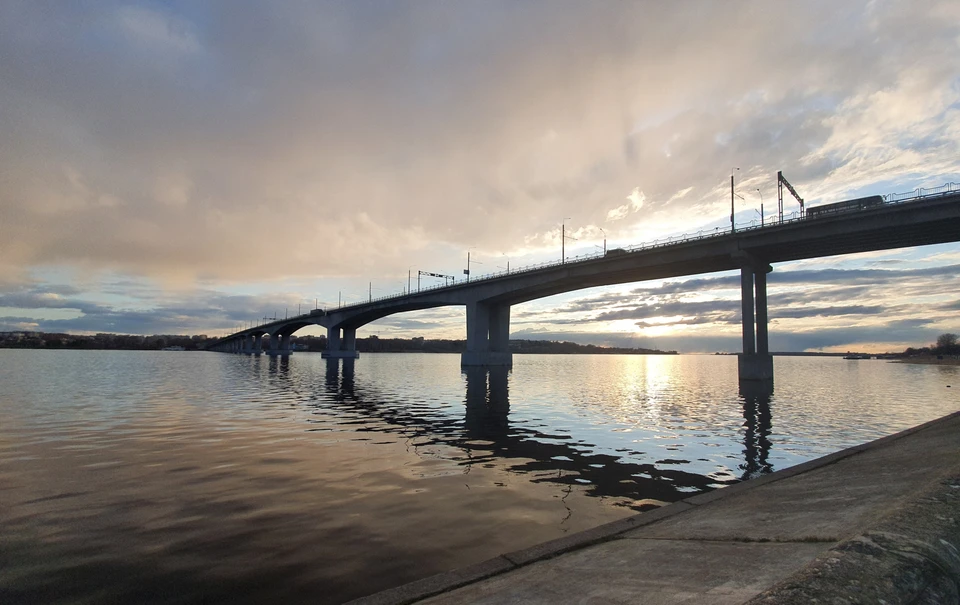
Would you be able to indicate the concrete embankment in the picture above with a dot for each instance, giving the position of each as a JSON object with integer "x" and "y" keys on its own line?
{"x": 876, "y": 523}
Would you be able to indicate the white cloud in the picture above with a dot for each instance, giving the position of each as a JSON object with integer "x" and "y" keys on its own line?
{"x": 635, "y": 203}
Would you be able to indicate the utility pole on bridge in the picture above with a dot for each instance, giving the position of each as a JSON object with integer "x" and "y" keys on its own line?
{"x": 733, "y": 225}
{"x": 563, "y": 240}
{"x": 448, "y": 279}
{"x": 781, "y": 183}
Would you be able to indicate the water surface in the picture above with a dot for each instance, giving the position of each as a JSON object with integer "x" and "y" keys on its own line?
{"x": 183, "y": 476}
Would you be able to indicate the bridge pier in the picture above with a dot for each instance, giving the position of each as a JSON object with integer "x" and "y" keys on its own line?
{"x": 488, "y": 335}
{"x": 341, "y": 348}
{"x": 755, "y": 364}
{"x": 279, "y": 345}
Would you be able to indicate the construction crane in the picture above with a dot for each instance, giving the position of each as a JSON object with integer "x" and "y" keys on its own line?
{"x": 781, "y": 183}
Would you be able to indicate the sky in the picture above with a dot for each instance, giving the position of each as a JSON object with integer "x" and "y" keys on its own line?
{"x": 191, "y": 167}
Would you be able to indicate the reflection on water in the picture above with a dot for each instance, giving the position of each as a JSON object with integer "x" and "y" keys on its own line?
{"x": 756, "y": 435}
{"x": 176, "y": 477}
{"x": 485, "y": 437}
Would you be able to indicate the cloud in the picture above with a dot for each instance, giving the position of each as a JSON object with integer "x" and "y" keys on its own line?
{"x": 813, "y": 308}
{"x": 161, "y": 141}
{"x": 45, "y": 299}
{"x": 894, "y": 336}
{"x": 218, "y": 164}
{"x": 156, "y": 31}
{"x": 953, "y": 306}
{"x": 635, "y": 203}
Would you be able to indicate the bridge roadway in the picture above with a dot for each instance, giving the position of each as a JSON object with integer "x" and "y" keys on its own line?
{"x": 923, "y": 220}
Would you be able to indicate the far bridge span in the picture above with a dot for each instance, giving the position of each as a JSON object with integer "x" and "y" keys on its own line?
{"x": 929, "y": 216}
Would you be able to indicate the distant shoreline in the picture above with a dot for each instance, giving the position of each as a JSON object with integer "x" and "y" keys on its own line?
{"x": 931, "y": 361}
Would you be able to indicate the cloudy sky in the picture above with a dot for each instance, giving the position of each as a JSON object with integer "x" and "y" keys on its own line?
{"x": 186, "y": 167}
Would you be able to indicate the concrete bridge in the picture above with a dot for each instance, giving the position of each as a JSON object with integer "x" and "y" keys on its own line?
{"x": 929, "y": 216}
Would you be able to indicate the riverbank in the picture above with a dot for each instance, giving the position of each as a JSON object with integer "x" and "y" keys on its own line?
{"x": 946, "y": 361}
{"x": 873, "y": 523}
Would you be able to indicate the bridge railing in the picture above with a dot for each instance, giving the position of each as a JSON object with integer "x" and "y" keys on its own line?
{"x": 921, "y": 192}
{"x": 889, "y": 199}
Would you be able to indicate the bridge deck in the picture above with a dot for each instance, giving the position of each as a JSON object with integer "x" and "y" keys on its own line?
{"x": 930, "y": 220}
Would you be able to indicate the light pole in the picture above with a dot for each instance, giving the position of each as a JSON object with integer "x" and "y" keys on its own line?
{"x": 508, "y": 262}
{"x": 563, "y": 239}
{"x": 761, "y": 206}
{"x": 604, "y": 240}
{"x": 733, "y": 225}
{"x": 467, "y": 270}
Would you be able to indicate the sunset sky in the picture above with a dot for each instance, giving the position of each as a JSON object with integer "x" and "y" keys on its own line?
{"x": 188, "y": 167}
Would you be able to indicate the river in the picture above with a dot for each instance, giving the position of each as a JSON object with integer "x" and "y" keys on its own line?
{"x": 176, "y": 477}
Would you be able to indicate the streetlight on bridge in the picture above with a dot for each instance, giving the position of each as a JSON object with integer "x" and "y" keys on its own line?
{"x": 761, "y": 206}
{"x": 563, "y": 239}
{"x": 733, "y": 225}
{"x": 476, "y": 262}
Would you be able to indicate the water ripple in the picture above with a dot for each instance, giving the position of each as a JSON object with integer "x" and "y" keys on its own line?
{"x": 179, "y": 477}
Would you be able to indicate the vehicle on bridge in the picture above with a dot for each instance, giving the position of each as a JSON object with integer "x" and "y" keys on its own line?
{"x": 860, "y": 203}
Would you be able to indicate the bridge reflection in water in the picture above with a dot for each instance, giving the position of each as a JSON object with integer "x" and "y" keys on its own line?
{"x": 486, "y": 437}
{"x": 758, "y": 422}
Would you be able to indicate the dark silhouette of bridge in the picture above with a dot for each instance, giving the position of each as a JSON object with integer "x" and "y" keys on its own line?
{"x": 924, "y": 217}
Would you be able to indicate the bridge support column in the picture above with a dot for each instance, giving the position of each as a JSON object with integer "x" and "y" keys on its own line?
{"x": 258, "y": 344}
{"x": 746, "y": 306}
{"x": 349, "y": 341}
{"x": 341, "y": 348}
{"x": 285, "y": 345}
{"x": 333, "y": 339}
{"x": 488, "y": 335}
{"x": 755, "y": 364}
{"x": 273, "y": 348}
{"x": 760, "y": 280}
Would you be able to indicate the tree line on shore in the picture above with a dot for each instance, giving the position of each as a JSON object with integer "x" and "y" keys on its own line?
{"x": 946, "y": 344}
{"x": 370, "y": 344}
{"x": 375, "y": 344}
{"x": 129, "y": 342}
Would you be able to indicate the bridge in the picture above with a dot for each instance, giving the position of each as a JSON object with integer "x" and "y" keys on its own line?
{"x": 922, "y": 217}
